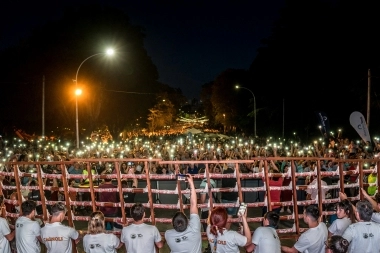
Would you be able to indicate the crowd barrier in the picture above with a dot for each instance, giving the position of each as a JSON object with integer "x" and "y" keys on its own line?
{"x": 157, "y": 191}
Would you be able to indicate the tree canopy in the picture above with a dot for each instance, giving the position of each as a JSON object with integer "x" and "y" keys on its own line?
{"x": 116, "y": 90}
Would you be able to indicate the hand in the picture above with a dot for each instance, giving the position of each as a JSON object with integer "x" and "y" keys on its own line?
{"x": 342, "y": 195}
{"x": 189, "y": 179}
{"x": 364, "y": 192}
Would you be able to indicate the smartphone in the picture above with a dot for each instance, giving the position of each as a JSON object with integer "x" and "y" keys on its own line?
{"x": 242, "y": 209}
{"x": 181, "y": 177}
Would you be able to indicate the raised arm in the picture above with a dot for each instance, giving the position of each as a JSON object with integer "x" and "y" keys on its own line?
{"x": 247, "y": 231}
{"x": 371, "y": 200}
{"x": 193, "y": 195}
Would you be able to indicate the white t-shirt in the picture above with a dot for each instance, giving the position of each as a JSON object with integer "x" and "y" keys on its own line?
{"x": 364, "y": 237}
{"x": 100, "y": 243}
{"x": 27, "y": 232}
{"x": 375, "y": 217}
{"x": 314, "y": 191}
{"x": 313, "y": 240}
{"x": 57, "y": 237}
{"x": 189, "y": 240}
{"x": 4, "y": 230}
{"x": 140, "y": 238}
{"x": 266, "y": 240}
{"x": 339, "y": 226}
{"x": 228, "y": 242}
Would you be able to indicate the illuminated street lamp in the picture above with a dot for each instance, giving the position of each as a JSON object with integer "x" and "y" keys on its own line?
{"x": 224, "y": 117}
{"x": 79, "y": 91}
{"x": 254, "y": 104}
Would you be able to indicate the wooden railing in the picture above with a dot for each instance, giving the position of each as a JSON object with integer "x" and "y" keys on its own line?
{"x": 14, "y": 174}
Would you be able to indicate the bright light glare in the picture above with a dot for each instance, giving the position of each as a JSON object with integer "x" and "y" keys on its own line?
{"x": 110, "y": 51}
{"x": 78, "y": 92}
{"x": 237, "y": 86}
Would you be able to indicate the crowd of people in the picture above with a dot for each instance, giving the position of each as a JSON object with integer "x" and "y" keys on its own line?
{"x": 355, "y": 226}
{"x": 355, "y": 230}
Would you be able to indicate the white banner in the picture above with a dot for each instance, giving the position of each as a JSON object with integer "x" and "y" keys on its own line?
{"x": 357, "y": 121}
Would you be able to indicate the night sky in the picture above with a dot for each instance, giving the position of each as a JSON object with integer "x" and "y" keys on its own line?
{"x": 315, "y": 58}
{"x": 190, "y": 42}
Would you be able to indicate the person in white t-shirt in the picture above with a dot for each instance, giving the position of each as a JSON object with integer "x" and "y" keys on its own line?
{"x": 220, "y": 238}
{"x": 186, "y": 235}
{"x": 313, "y": 240}
{"x": 28, "y": 230}
{"x": 374, "y": 202}
{"x": 5, "y": 236}
{"x": 313, "y": 192}
{"x": 97, "y": 241}
{"x": 140, "y": 237}
{"x": 364, "y": 235}
{"x": 346, "y": 216}
{"x": 58, "y": 237}
{"x": 5, "y": 233}
{"x": 265, "y": 239}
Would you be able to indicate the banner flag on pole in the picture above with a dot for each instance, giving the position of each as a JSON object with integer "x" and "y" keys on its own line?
{"x": 357, "y": 121}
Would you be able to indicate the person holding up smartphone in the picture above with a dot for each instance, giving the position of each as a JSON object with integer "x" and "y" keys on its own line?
{"x": 186, "y": 233}
{"x": 220, "y": 238}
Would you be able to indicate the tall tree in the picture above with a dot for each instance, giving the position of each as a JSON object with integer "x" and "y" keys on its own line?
{"x": 318, "y": 56}
{"x": 57, "y": 49}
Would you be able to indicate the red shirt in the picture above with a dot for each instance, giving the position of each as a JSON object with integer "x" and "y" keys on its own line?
{"x": 108, "y": 197}
{"x": 275, "y": 195}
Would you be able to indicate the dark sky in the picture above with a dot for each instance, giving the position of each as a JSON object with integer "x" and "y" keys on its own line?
{"x": 190, "y": 42}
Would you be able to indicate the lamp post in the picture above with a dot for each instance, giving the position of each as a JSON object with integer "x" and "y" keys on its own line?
{"x": 79, "y": 91}
{"x": 224, "y": 123}
{"x": 254, "y": 105}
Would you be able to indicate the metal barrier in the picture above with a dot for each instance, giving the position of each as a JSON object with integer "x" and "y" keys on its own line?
{"x": 146, "y": 180}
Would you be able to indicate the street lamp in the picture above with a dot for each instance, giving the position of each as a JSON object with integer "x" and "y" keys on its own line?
{"x": 254, "y": 104}
{"x": 224, "y": 123}
{"x": 79, "y": 91}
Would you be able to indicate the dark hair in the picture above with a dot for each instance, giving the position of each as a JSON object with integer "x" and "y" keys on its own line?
{"x": 27, "y": 207}
{"x": 218, "y": 220}
{"x": 96, "y": 222}
{"x": 365, "y": 210}
{"x": 377, "y": 197}
{"x": 348, "y": 210}
{"x": 337, "y": 244}
{"x": 137, "y": 211}
{"x": 273, "y": 218}
{"x": 312, "y": 211}
{"x": 58, "y": 208}
{"x": 180, "y": 222}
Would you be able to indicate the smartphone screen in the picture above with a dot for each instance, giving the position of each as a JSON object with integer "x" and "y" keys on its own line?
{"x": 181, "y": 177}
